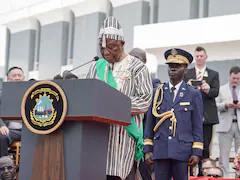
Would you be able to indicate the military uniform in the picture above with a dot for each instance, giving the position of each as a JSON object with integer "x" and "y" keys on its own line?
{"x": 173, "y": 130}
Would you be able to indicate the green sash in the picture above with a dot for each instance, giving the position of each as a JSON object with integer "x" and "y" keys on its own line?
{"x": 132, "y": 130}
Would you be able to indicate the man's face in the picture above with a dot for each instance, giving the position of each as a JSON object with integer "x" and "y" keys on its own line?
{"x": 234, "y": 79}
{"x": 113, "y": 50}
{"x": 214, "y": 172}
{"x": 176, "y": 71}
{"x": 206, "y": 166}
{"x": 200, "y": 57}
{"x": 15, "y": 75}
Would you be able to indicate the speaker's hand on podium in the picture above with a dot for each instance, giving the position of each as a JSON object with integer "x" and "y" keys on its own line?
{"x": 4, "y": 130}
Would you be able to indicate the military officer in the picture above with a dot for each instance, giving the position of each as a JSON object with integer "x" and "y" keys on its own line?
{"x": 173, "y": 138}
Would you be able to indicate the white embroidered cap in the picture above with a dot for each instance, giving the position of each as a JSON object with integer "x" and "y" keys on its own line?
{"x": 111, "y": 29}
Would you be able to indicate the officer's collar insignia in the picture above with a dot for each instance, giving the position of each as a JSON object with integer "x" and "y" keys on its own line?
{"x": 44, "y": 107}
{"x": 174, "y": 52}
{"x": 166, "y": 88}
{"x": 183, "y": 89}
{"x": 181, "y": 94}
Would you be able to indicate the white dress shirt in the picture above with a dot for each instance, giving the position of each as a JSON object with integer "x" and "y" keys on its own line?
{"x": 176, "y": 89}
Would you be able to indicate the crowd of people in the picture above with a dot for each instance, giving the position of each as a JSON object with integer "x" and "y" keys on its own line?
{"x": 171, "y": 122}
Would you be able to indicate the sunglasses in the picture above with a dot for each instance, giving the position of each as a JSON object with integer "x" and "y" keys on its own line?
{"x": 214, "y": 175}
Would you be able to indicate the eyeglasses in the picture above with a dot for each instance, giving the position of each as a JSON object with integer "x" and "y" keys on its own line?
{"x": 214, "y": 175}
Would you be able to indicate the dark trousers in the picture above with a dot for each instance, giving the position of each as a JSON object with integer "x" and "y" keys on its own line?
{"x": 6, "y": 140}
{"x": 131, "y": 176}
{"x": 207, "y": 137}
{"x": 146, "y": 171}
{"x": 165, "y": 169}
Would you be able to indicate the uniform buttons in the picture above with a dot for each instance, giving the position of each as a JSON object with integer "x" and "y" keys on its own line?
{"x": 154, "y": 138}
{"x": 158, "y": 108}
{"x": 169, "y": 137}
{"x": 172, "y": 109}
{"x": 170, "y": 127}
{"x": 185, "y": 109}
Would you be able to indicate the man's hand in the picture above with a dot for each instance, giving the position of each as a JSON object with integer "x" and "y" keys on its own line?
{"x": 193, "y": 161}
{"x": 231, "y": 105}
{"x": 149, "y": 158}
{"x": 190, "y": 82}
{"x": 205, "y": 87}
{"x": 4, "y": 130}
{"x": 237, "y": 105}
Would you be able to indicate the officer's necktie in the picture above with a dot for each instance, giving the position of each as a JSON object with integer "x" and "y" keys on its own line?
{"x": 172, "y": 93}
{"x": 235, "y": 98}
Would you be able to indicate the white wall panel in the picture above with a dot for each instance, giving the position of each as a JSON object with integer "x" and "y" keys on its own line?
{"x": 117, "y": 3}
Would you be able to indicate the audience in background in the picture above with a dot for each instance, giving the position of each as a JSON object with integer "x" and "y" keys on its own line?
{"x": 229, "y": 118}
{"x": 207, "y": 164}
{"x": 236, "y": 165}
{"x": 71, "y": 76}
{"x": 207, "y": 81}
{"x": 10, "y": 131}
{"x": 141, "y": 55}
{"x": 58, "y": 77}
{"x": 66, "y": 75}
{"x": 214, "y": 172}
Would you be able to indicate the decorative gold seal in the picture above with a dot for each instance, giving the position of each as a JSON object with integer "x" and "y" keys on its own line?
{"x": 44, "y": 107}
{"x": 174, "y": 52}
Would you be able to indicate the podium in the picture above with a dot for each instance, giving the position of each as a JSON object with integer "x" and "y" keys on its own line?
{"x": 78, "y": 149}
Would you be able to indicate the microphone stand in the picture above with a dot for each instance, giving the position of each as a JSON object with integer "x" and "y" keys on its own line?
{"x": 82, "y": 65}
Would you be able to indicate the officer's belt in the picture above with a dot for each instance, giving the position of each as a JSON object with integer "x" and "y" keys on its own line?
{"x": 164, "y": 116}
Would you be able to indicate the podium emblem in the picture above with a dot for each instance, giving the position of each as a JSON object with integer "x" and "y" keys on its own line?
{"x": 44, "y": 107}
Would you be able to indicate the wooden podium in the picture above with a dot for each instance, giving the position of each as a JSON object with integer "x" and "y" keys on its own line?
{"x": 77, "y": 150}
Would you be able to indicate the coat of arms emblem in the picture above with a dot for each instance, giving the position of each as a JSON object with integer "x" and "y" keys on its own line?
{"x": 44, "y": 107}
{"x": 43, "y": 113}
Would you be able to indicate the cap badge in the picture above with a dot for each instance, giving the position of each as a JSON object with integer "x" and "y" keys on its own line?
{"x": 174, "y": 52}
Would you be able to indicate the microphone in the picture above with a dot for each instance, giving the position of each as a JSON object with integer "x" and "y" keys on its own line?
{"x": 94, "y": 59}
{"x": 65, "y": 73}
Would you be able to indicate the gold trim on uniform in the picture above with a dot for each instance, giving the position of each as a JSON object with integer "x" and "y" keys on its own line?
{"x": 177, "y": 59}
{"x": 164, "y": 116}
{"x": 198, "y": 145}
{"x": 148, "y": 142}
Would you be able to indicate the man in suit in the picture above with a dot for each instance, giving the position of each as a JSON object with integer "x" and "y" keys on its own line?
{"x": 208, "y": 83}
{"x": 173, "y": 132}
{"x": 10, "y": 131}
{"x": 141, "y": 55}
{"x": 229, "y": 118}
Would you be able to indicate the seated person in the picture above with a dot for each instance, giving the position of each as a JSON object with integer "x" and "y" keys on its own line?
{"x": 214, "y": 172}
{"x": 207, "y": 164}
{"x": 71, "y": 76}
{"x": 10, "y": 131}
{"x": 7, "y": 168}
{"x": 58, "y": 77}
